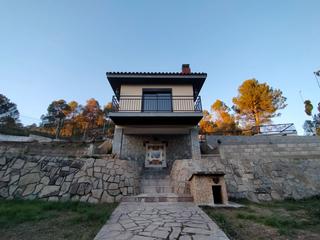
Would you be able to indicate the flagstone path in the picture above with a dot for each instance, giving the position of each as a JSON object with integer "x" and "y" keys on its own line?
{"x": 160, "y": 220}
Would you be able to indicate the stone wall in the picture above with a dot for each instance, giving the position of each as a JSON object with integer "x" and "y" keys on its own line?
{"x": 100, "y": 179}
{"x": 260, "y": 168}
{"x": 268, "y": 167}
{"x": 181, "y": 171}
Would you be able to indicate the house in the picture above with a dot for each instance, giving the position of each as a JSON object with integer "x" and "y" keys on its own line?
{"x": 156, "y": 115}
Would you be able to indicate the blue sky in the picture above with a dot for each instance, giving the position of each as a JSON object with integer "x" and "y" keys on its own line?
{"x": 61, "y": 49}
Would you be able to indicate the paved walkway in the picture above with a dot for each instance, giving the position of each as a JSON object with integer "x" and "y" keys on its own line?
{"x": 150, "y": 221}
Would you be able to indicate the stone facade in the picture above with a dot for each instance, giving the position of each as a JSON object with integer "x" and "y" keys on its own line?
{"x": 133, "y": 147}
{"x": 58, "y": 178}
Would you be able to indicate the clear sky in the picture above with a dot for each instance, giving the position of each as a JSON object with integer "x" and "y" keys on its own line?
{"x": 53, "y": 49}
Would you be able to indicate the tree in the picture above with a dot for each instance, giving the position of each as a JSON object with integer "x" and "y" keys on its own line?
{"x": 56, "y": 113}
{"x": 222, "y": 118}
{"x": 311, "y": 127}
{"x": 257, "y": 103}
{"x": 206, "y": 125}
{"x": 93, "y": 114}
{"x": 9, "y": 114}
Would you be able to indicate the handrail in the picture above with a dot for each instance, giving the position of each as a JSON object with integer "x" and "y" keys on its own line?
{"x": 135, "y": 103}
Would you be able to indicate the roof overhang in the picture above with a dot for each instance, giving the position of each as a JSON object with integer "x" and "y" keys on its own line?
{"x": 116, "y": 79}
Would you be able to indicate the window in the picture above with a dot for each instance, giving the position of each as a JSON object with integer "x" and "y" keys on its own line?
{"x": 157, "y": 100}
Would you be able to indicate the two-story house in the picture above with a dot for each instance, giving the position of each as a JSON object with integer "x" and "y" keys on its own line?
{"x": 156, "y": 114}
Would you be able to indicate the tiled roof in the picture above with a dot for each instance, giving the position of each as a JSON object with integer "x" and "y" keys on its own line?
{"x": 155, "y": 73}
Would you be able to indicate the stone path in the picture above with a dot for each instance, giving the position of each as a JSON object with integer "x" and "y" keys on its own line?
{"x": 150, "y": 221}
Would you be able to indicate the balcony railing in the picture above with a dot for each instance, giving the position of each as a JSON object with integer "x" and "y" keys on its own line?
{"x": 156, "y": 104}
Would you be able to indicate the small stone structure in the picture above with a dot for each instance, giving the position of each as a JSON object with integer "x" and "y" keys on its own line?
{"x": 208, "y": 188}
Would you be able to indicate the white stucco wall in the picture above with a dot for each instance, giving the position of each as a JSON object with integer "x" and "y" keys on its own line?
{"x": 132, "y": 96}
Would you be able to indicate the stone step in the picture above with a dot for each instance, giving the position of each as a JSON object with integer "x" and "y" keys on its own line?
{"x": 165, "y": 197}
{"x": 156, "y": 189}
{"x": 157, "y": 176}
{"x": 155, "y": 182}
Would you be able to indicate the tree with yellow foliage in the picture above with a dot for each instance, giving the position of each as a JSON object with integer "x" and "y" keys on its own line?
{"x": 219, "y": 121}
{"x": 257, "y": 103}
{"x": 223, "y": 119}
{"x": 206, "y": 126}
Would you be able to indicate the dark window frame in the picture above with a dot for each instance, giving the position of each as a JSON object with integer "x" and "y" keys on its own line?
{"x": 156, "y": 91}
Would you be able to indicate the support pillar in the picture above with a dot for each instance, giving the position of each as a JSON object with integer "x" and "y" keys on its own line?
{"x": 195, "y": 145}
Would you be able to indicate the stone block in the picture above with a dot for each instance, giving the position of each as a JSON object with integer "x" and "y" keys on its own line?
{"x": 100, "y": 163}
{"x": 3, "y": 161}
{"x": 107, "y": 198}
{"x": 96, "y": 193}
{"x": 18, "y": 164}
{"x": 29, "y": 189}
{"x": 49, "y": 191}
{"x": 29, "y": 178}
{"x": 113, "y": 186}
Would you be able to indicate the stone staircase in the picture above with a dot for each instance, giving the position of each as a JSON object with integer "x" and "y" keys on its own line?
{"x": 155, "y": 186}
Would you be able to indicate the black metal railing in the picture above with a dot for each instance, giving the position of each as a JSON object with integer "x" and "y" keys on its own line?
{"x": 131, "y": 103}
{"x": 278, "y": 129}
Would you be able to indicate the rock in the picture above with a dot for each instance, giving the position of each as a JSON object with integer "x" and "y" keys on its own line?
{"x": 107, "y": 198}
{"x": 76, "y": 164}
{"x": 74, "y": 188}
{"x": 84, "y": 188}
{"x": 4, "y": 193}
{"x": 38, "y": 188}
{"x": 100, "y": 163}
{"x": 92, "y": 200}
{"x": 96, "y": 193}
{"x": 65, "y": 188}
{"x": 84, "y": 198}
{"x": 30, "y": 165}
{"x": 53, "y": 199}
{"x": 49, "y": 191}
{"x": 90, "y": 172}
{"x": 114, "y": 192}
{"x": 84, "y": 180}
{"x": 118, "y": 198}
{"x": 124, "y": 191}
{"x": 117, "y": 179}
{"x": 29, "y": 178}
{"x": 113, "y": 186}
{"x": 29, "y": 189}
{"x": 45, "y": 180}
{"x": 2, "y": 161}
{"x": 69, "y": 178}
{"x": 18, "y": 164}
{"x": 5, "y": 178}
{"x": 12, "y": 188}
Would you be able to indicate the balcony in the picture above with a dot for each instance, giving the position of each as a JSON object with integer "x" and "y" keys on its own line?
{"x": 160, "y": 109}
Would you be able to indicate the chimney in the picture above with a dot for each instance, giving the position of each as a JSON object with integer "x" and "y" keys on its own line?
{"x": 186, "y": 69}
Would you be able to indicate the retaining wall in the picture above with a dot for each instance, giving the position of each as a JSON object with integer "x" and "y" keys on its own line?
{"x": 32, "y": 176}
{"x": 260, "y": 168}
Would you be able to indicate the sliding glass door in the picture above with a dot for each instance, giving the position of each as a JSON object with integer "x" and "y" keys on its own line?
{"x": 156, "y": 101}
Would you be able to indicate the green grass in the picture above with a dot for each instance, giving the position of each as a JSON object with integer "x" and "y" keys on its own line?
{"x": 272, "y": 220}
{"x": 21, "y": 219}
